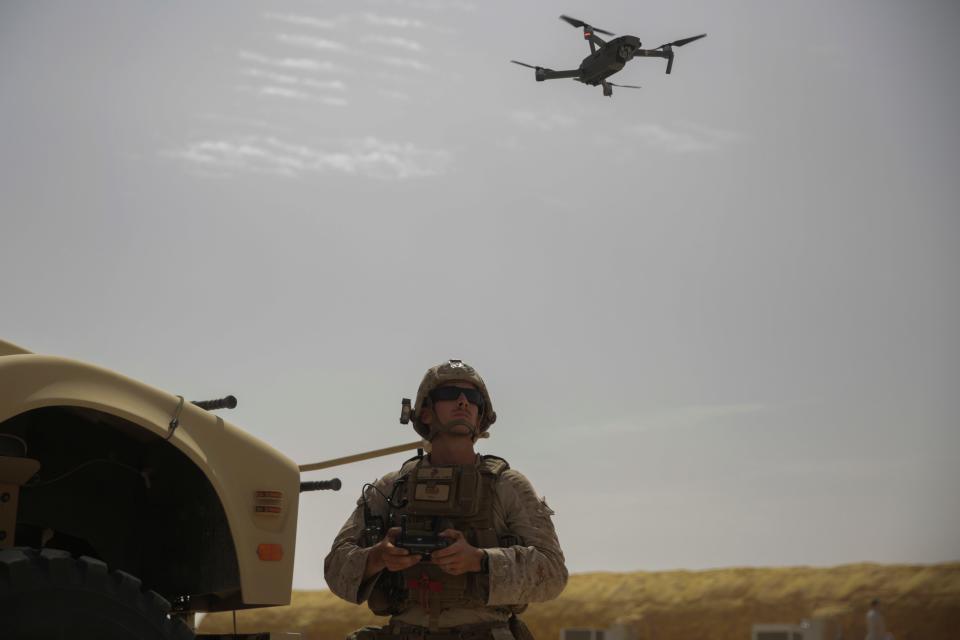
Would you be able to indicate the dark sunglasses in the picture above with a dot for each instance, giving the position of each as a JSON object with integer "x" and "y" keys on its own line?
{"x": 452, "y": 393}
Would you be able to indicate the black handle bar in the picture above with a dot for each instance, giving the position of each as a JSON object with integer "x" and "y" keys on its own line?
{"x": 212, "y": 405}
{"x": 314, "y": 485}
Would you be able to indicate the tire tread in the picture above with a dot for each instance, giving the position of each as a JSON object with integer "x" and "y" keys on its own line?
{"x": 24, "y": 569}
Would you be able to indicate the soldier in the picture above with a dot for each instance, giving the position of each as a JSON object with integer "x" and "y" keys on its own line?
{"x": 454, "y": 544}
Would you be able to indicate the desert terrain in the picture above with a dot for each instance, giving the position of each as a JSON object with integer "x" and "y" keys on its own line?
{"x": 919, "y": 602}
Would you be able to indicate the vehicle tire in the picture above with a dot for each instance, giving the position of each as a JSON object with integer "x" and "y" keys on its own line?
{"x": 50, "y": 595}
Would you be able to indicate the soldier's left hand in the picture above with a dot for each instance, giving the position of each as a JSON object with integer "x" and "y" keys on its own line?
{"x": 459, "y": 557}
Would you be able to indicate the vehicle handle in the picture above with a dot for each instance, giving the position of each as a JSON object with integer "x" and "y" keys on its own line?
{"x": 315, "y": 485}
{"x": 228, "y": 402}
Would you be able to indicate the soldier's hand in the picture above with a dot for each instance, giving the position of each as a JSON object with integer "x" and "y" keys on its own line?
{"x": 459, "y": 557}
{"x": 386, "y": 555}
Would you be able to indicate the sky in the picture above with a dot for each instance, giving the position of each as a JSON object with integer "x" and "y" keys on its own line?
{"x": 717, "y": 315}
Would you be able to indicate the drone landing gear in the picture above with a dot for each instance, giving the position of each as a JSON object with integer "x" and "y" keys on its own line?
{"x": 607, "y": 89}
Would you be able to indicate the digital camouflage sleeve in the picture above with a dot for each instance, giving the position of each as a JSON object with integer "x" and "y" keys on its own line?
{"x": 533, "y": 571}
{"x": 344, "y": 565}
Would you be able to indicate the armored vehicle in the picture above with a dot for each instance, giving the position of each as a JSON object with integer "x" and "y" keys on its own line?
{"x": 125, "y": 509}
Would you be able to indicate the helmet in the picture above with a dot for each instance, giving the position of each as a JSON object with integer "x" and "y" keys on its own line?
{"x": 451, "y": 371}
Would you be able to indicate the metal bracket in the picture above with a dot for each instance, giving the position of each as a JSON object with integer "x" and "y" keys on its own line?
{"x": 175, "y": 420}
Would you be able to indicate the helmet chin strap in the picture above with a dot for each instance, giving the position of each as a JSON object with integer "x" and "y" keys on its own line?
{"x": 437, "y": 427}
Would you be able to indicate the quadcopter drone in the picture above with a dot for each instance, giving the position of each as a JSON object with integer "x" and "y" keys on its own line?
{"x": 607, "y": 58}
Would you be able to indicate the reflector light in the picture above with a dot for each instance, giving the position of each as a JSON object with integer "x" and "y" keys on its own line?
{"x": 266, "y": 509}
{"x": 270, "y": 552}
{"x": 268, "y": 502}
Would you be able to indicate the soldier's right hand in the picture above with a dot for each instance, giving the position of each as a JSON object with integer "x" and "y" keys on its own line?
{"x": 386, "y": 555}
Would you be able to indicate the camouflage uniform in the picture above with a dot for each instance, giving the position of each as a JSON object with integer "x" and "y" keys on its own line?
{"x": 532, "y": 571}
{"x": 502, "y": 514}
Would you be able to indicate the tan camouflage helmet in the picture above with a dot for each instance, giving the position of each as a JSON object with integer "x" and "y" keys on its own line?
{"x": 452, "y": 371}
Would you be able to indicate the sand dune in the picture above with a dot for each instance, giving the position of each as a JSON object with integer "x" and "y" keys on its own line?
{"x": 920, "y": 602}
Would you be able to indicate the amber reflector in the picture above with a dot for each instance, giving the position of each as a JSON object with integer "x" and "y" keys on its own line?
{"x": 272, "y": 552}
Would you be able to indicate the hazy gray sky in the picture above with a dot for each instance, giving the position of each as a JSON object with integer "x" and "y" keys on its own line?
{"x": 718, "y": 315}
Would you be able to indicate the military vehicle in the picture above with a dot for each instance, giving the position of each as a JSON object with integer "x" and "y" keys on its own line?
{"x": 125, "y": 510}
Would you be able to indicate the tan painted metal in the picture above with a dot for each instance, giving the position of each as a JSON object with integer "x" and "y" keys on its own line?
{"x": 357, "y": 457}
{"x": 236, "y": 463}
{"x": 9, "y": 349}
{"x": 13, "y": 473}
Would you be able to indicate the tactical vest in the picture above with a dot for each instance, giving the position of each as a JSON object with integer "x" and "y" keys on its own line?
{"x": 437, "y": 498}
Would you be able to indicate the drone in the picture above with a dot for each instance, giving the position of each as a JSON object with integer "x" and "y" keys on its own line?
{"x": 607, "y": 58}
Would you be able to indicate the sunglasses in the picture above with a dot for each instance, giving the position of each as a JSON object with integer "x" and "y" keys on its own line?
{"x": 452, "y": 393}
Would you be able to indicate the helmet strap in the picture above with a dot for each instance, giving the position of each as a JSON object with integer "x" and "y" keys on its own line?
{"x": 437, "y": 426}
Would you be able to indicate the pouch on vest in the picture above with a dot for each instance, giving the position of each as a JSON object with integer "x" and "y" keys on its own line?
{"x": 443, "y": 490}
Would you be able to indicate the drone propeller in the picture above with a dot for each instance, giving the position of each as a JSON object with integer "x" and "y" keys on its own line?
{"x": 580, "y": 23}
{"x": 524, "y": 64}
{"x": 625, "y": 86}
{"x": 682, "y": 41}
{"x": 668, "y": 48}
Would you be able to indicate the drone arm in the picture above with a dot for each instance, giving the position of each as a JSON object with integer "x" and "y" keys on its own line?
{"x": 594, "y": 40}
{"x": 589, "y": 32}
{"x": 666, "y": 50}
{"x": 550, "y": 74}
{"x": 650, "y": 53}
{"x": 657, "y": 53}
